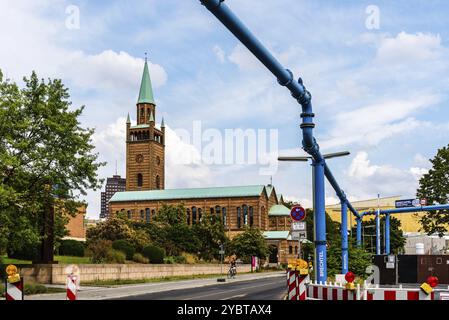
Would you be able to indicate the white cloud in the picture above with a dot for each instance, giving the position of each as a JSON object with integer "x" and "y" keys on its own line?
{"x": 406, "y": 48}
{"x": 244, "y": 59}
{"x": 374, "y": 123}
{"x": 219, "y": 52}
{"x": 366, "y": 179}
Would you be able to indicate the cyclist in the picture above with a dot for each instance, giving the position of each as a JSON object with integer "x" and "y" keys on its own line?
{"x": 232, "y": 268}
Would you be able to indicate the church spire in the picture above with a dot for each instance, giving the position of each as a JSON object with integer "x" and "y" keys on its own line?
{"x": 146, "y": 91}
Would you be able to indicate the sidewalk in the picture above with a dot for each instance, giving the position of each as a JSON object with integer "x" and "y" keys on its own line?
{"x": 96, "y": 293}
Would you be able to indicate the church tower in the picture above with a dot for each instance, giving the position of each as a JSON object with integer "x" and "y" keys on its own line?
{"x": 145, "y": 144}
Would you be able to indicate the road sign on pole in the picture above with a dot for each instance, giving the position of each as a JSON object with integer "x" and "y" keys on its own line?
{"x": 299, "y": 235}
{"x": 299, "y": 226}
{"x": 298, "y": 213}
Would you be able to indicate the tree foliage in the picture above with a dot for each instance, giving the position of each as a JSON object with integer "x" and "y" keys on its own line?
{"x": 249, "y": 243}
{"x": 44, "y": 153}
{"x": 211, "y": 234}
{"x": 434, "y": 186}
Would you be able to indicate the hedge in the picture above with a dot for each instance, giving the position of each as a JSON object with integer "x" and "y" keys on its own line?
{"x": 154, "y": 254}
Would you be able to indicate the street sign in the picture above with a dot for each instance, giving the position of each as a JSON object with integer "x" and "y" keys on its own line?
{"x": 221, "y": 252}
{"x": 299, "y": 235}
{"x": 407, "y": 203}
{"x": 298, "y": 213}
{"x": 423, "y": 202}
{"x": 299, "y": 226}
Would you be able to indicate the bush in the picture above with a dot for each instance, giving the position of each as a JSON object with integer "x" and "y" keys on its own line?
{"x": 99, "y": 249}
{"x": 154, "y": 254}
{"x": 180, "y": 259}
{"x": 125, "y": 247}
{"x": 115, "y": 256}
{"x": 71, "y": 248}
{"x": 25, "y": 253}
{"x": 169, "y": 260}
{"x": 139, "y": 258}
{"x": 190, "y": 258}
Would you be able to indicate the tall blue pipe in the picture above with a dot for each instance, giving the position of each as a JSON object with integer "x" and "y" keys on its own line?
{"x": 320, "y": 222}
{"x": 410, "y": 209}
{"x": 359, "y": 232}
{"x": 344, "y": 238}
{"x": 387, "y": 234}
{"x": 378, "y": 233}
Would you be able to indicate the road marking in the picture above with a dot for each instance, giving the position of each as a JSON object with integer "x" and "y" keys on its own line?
{"x": 224, "y": 292}
{"x": 237, "y": 296}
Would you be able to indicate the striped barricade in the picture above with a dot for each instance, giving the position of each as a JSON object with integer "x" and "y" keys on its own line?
{"x": 72, "y": 287}
{"x": 296, "y": 284}
{"x": 377, "y": 293}
{"x": 332, "y": 291}
{"x": 14, "y": 291}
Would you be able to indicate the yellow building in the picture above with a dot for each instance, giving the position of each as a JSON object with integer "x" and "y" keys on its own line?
{"x": 409, "y": 221}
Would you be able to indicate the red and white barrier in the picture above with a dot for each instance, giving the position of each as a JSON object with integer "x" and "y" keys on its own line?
{"x": 72, "y": 287}
{"x": 331, "y": 291}
{"x": 397, "y": 294}
{"x": 292, "y": 285}
{"x": 14, "y": 291}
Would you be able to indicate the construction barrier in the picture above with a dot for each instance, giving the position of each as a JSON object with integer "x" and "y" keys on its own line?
{"x": 332, "y": 291}
{"x": 72, "y": 287}
{"x": 292, "y": 285}
{"x": 376, "y": 293}
{"x": 14, "y": 291}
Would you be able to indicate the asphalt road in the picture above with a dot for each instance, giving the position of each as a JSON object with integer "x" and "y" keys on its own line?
{"x": 260, "y": 289}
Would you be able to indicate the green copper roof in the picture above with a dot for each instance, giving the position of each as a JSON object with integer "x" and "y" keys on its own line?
{"x": 141, "y": 126}
{"x": 279, "y": 210}
{"x": 269, "y": 189}
{"x": 276, "y": 235}
{"x": 216, "y": 192}
{"x": 151, "y": 116}
{"x": 146, "y": 91}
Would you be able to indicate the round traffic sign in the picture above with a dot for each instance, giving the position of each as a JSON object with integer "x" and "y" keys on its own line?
{"x": 298, "y": 213}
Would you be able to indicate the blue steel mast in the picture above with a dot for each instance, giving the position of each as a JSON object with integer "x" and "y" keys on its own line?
{"x": 304, "y": 98}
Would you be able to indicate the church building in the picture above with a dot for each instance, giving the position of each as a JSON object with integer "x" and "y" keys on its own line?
{"x": 239, "y": 206}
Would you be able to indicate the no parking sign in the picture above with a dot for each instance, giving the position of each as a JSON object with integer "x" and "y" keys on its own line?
{"x": 298, "y": 213}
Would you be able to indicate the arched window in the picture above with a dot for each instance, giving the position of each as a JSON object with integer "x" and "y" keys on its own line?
{"x": 211, "y": 211}
{"x": 251, "y": 216}
{"x": 147, "y": 215}
{"x": 200, "y": 215}
{"x": 245, "y": 214}
{"x": 139, "y": 180}
{"x": 290, "y": 250}
{"x": 194, "y": 215}
{"x": 142, "y": 113}
{"x": 296, "y": 249}
{"x": 141, "y": 215}
{"x": 239, "y": 217}
{"x": 129, "y": 214}
{"x": 158, "y": 182}
{"x": 224, "y": 217}
{"x": 188, "y": 216}
{"x": 218, "y": 211}
{"x": 153, "y": 213}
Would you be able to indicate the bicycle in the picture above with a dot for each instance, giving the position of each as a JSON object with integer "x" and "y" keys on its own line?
{"x": 232, "y": 272}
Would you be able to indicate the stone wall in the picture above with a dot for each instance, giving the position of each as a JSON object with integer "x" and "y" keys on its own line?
{"x": 56, "y": 273}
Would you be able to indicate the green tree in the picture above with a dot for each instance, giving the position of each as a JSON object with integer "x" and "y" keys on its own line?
{"x": 210, "y": 232}
{"x": 249, "y": 243}
{"x": 434, "y": 186}
{"x": 44, "y": 154}
{"x": 118, "y": 228}
{"x": 170, "y": 231}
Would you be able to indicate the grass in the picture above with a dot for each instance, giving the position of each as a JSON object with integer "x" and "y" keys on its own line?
{"x": 60, "y": 259}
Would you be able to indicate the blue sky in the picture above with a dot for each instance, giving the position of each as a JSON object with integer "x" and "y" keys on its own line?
{"x": 379, "y": 93}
